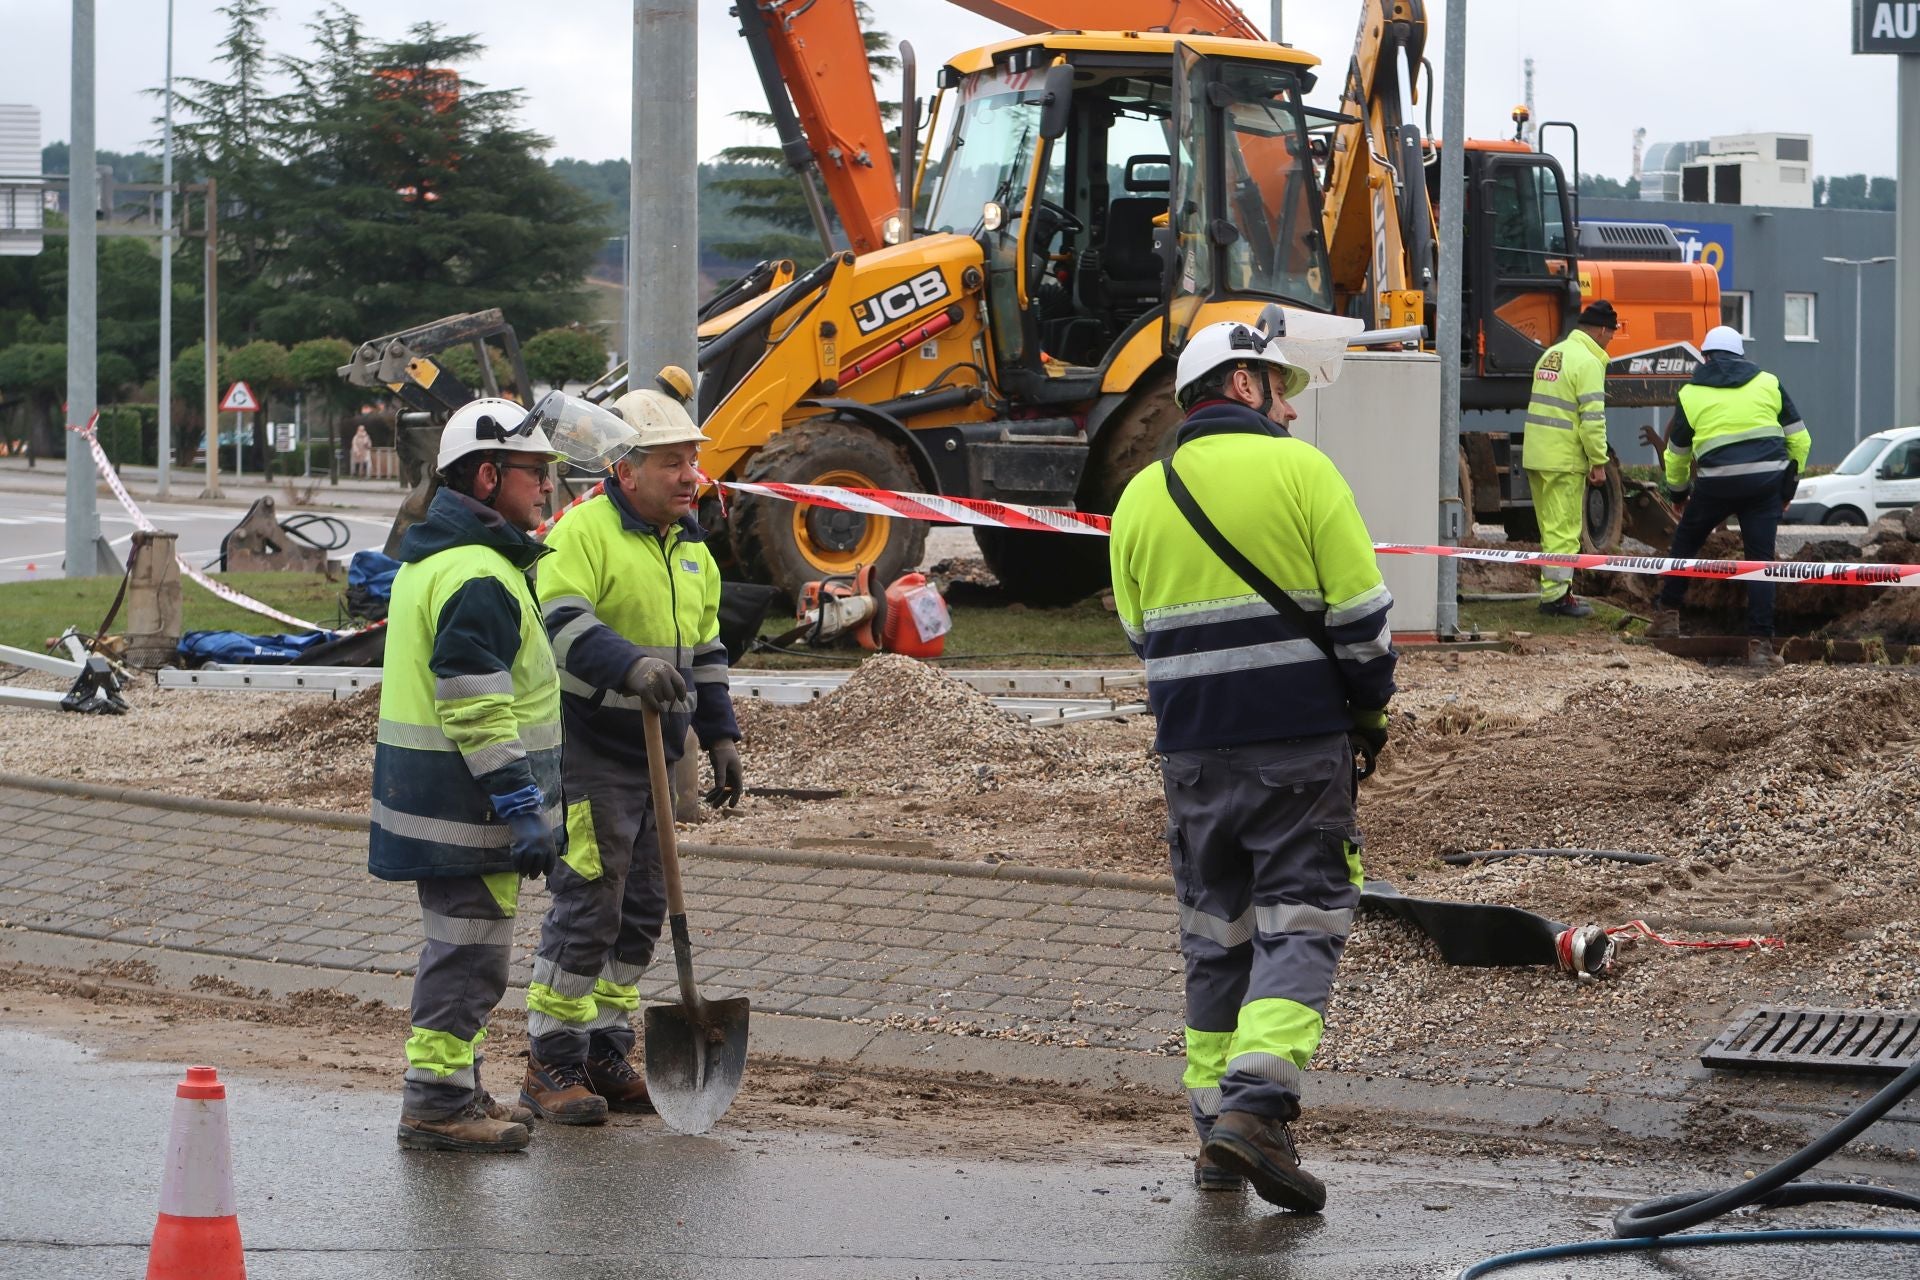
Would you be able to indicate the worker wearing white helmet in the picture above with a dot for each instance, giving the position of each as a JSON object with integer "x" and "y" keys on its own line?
{"x": 1244, "y": 576}
{"x": 466, "y": 771}
{"x": 632, "y": 603}
{"x": 1735, "y": 447}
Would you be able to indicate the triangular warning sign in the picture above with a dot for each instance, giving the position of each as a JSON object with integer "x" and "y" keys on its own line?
{"x": 239, "y": 399}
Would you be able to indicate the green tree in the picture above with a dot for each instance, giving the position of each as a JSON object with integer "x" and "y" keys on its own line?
{"x": 557, "y": 356}
{"x": 36, "y": 374}
{"x": 313, "y": 368}
{"x": 1605, "y": 188}
{"x": 464, "y": 365}
{"x": 262, "y": 365}
{"x": 1855, "y": 191}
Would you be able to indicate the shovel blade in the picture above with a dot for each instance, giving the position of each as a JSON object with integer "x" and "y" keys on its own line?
{"x": 693, "y": 1064}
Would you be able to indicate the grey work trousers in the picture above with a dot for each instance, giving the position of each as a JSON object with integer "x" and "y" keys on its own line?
{"x": 462, "y": 973}
{"x": 1265, "y": 851}
{"x": 598, "y": 937}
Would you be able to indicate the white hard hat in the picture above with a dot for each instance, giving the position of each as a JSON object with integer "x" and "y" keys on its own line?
{"x": 658, "y": 419}
{"x": 487, "y": 424}
{"x": 1723, "y": 338}
{"x": 1231, "y": 342}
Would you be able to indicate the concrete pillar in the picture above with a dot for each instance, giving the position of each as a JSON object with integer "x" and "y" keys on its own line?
{"x": 664, "y": 264}
{"x": 1906, "y": 248}
{"x": 83, "y": 276}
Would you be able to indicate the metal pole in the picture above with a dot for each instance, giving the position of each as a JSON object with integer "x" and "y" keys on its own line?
{"x": 664, "y": 236}
{"x": 1858, "y": 270}
{"x": 211, "y": 376}
{"x": 1906, "y": 248}
{"x": 83, "y": 276}
{"x": 1278, "y": 5}
{"x": 1456, "y": 516}
{"x": 163, "y": 444}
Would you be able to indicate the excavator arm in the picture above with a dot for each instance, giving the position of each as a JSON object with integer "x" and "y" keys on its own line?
{"x": 1187, "y": 17}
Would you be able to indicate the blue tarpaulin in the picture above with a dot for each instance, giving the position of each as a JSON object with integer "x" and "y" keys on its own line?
{"x": 373, "y": 573}
{"x": 197, "y": 647}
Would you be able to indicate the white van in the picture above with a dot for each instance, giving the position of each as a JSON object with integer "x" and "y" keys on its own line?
{"x": 1882, "y": 474}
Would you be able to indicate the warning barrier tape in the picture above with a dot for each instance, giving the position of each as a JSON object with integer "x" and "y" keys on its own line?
{"x": 104, "y": 465}
{"x": 1007, "y": 515}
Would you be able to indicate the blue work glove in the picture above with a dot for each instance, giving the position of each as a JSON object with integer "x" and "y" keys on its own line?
{"x": 1368, "y": 736}
{"x": 534, "y": 850}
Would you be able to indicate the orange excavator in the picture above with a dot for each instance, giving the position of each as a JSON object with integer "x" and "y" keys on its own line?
{"x": 1085, "y": 248}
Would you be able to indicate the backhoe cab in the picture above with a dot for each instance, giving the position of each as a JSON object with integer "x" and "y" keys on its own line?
{"x": 1017, "y": 346}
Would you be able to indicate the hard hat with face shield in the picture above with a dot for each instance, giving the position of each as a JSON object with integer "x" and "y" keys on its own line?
{"x": 1231, "y": 344}
{"x": 491, "y": 424}
{"x": 591, "y": 437}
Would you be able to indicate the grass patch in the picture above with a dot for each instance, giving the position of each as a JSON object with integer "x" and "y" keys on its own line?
{"x": 31, "y": 613}
{"x": 1507, "y": 616}
{"x": 1080, "y": 635}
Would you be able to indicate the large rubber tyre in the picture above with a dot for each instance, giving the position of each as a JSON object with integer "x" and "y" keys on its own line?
{"x": 1605, "y": 511}
{"x": 1140, "y": 431}
{"x": 1844, "y": 515}
{"x": 788, "y": 544}
{"x": 1045, "y": 569}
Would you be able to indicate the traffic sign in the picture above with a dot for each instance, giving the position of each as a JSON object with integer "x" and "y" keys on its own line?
{"x": 239, "y": 399}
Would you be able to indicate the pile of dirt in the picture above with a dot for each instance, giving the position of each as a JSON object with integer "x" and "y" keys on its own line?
{"x": 320, "y": 729}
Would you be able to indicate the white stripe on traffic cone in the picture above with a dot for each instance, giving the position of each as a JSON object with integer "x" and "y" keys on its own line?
{"x": 197, "y": 1236}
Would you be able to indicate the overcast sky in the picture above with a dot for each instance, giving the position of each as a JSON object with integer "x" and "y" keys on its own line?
{"x": 1678, "y": 68}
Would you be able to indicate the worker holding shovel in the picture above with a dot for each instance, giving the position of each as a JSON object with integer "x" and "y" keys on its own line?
{"x": 1245, "y": 578}
{"x": 631, "y": 596}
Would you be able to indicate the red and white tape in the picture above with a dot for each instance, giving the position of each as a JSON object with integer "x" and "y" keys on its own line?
{"x": 104, "y": 465}
{"x": 1007, "y": 515}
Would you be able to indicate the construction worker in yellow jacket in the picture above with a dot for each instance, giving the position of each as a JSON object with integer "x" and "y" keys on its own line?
{"x": 1565, "y": 446}
{"x": 1244, "y": 576}
{"x": 1735, "y": 447}
{"x": 466, "y": 773}
{"x": 631, "y": 596}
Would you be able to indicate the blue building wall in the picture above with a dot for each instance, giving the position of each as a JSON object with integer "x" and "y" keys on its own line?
{"x": 1769, "y": 253}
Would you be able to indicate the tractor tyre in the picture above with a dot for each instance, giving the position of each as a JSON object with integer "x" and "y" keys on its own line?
{"x": 1044, "y": 569}
{"x": 1140, "y": 432}
{"x": 788, "y": 544}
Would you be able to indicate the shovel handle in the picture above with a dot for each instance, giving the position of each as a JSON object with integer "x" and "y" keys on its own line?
{"x": 663, "y": 815}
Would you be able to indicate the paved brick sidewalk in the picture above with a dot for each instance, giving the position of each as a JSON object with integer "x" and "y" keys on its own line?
{"x": 1091, "y": 965}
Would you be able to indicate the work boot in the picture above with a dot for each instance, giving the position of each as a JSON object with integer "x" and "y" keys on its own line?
{"x": 1260, "y": 1148}
{"x": 613, "y": 1078}
{"x": 560, "y": 1093}
{"x": 495, "y": 1109}
{"x": 468, "y": 1129}
{"x": 1760, "y": 653}
{"x": 1665, "y": 624}
{"x": 1209, "y": 1176}
{"x": 1567, "y": 606}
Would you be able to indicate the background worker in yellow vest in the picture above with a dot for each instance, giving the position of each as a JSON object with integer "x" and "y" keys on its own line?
{"x": 631, "y": 596}
{"x": 466, "y": 773}
{"x": 1735, "y": 447}
{"x": 1566, "y": 445}
{"x": 1244, "y": 576}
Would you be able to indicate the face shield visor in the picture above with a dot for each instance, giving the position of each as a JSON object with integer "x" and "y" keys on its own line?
{"x": 590, "y": 437}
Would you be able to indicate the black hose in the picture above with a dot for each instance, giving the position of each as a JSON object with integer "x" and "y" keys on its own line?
{"x": 1498, "y": 855}
{"x": 1775, "y": 1187}
{"x": 296, "y": 525}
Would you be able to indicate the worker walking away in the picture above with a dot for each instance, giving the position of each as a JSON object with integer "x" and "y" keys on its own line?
{"x": 632, "y": 602}
{"x": 1245, "y": 578}
{"x": 1565, "y": 446}
{"x": 466, "y": 773}
{"x": 1735, "y": 447}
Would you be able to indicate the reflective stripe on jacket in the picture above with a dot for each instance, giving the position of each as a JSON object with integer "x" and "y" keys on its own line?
{"x": 1734, "y": 422}
{"x": 469, "y": 698}
{"x": 1223, "y": 667}
{"x": 614, "y": 591}
{"x": 1566, "y": 425}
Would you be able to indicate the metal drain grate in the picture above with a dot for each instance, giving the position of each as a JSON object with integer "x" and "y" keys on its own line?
{"x": 1855, "y": 1041}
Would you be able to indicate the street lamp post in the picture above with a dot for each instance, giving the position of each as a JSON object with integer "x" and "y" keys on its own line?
{"x": 1856, "y": 264}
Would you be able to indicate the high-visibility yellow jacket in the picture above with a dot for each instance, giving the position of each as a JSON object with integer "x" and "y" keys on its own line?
{"x": 1223, "y": 666}
{"x": 1736, "y": 429}
{"x": 616, "y": 590}
{"x": 1566, "y": 425}
{"x": 469, "y": 698}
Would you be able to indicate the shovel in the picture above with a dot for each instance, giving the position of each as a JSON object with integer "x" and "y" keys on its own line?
{"x": 696, "y": 1050}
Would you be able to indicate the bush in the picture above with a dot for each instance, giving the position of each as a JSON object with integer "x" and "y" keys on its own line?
{"x": 125, "y": 432}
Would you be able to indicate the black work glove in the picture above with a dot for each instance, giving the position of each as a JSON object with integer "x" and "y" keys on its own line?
{"x": 1789, "y": 484}
{"x": 657, "y": 683}
{"x": 729, "y": 781}
{"x": 534, "y": 850}
{"x": 1368, "y": 736}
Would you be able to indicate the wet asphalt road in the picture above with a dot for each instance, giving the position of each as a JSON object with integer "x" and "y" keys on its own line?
{"x": 323, "y": 1192}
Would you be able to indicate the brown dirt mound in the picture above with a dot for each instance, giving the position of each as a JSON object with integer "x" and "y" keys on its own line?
{"x": 316, "y": 727}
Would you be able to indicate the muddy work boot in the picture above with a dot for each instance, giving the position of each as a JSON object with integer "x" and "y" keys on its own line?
{"x": 613, "y": 1078}
{"x": 1209, "y": 1176}
{"x": 1760, "y": 653}
{"x": 1665, "y": 625}
{"x": 560, "y": 1093}
{"x": 468, "y": 1129}
{"x": 1261, "y": 1149}
{"x": 495, "y": 1109}
{"x": 1567, "y": 606}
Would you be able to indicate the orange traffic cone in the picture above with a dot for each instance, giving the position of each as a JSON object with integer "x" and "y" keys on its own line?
{"x": 198, "y": 1234}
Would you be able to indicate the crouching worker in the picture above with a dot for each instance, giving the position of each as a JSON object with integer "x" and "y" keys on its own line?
{"x": 466, "y": 775}
{"x": 631, "y": 597}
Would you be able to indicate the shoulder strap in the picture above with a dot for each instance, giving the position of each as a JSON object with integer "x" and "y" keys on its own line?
{"x": 1311, "y": 627}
